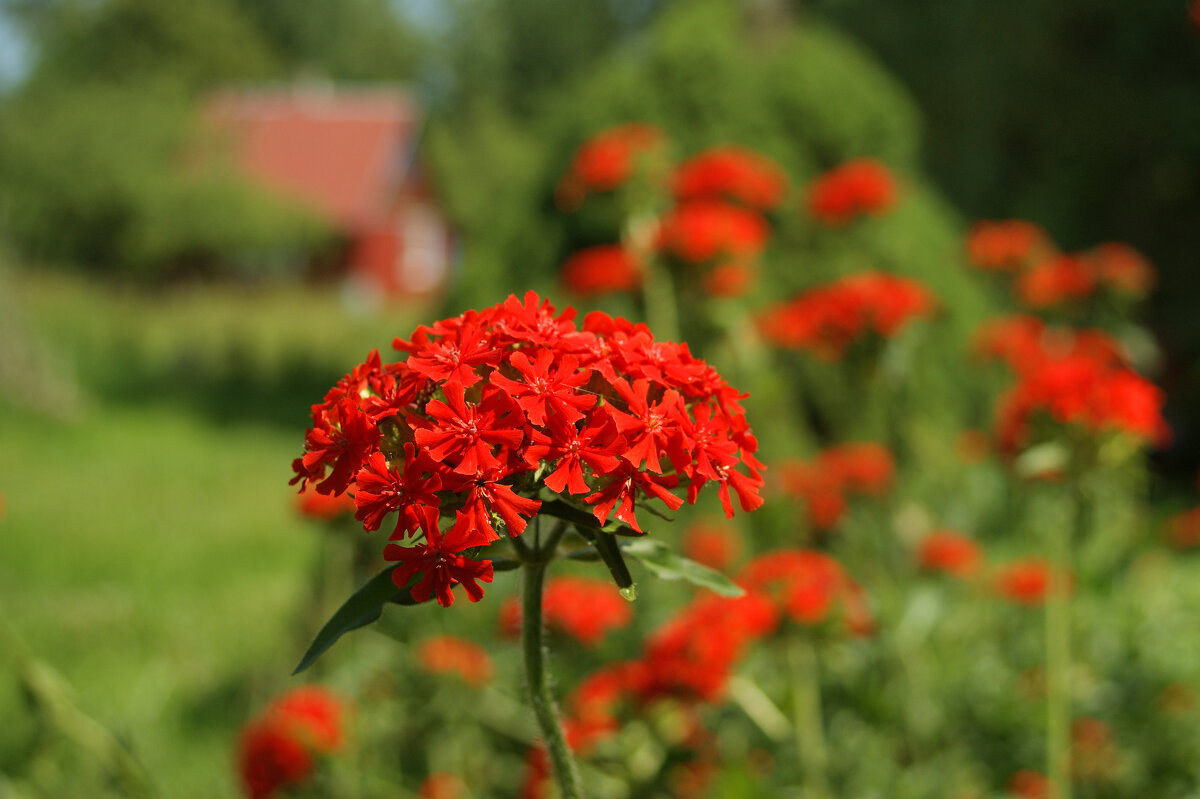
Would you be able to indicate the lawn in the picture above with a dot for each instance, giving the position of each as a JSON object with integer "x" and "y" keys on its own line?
{"x": 150, "y": 552}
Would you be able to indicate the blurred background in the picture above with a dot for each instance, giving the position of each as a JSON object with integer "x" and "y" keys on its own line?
{"x": 210, "y": 210}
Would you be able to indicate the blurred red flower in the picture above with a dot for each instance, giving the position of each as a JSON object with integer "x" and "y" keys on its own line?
{"x": 276, "y": 750}
{"x": 1005, "y": 246}
{"x": 950, "y": 552}
{"x": 1026, "y": 581}
{"x": 1183, "y": 529}
{"x": 730, "y": 173}
{"x": 808, "y": 587}
{"x": 731, "y": 279}
{"x": 1027, "y": 784}
{"x": 822, "y": 484}
{"x": 827, "y": 319}
{"x": 1123, "y": 269}
{"x": 703, "y": 230}
{"x": 607, "y": 160}
{"x": 601, "y": 270}
{"x": 446, "y": 654}
{"x": 714, "y": 545}
{"x": 1055, "y": 281}
{"x": 856, "y": 188}
{"x": 325, "y": 506}
{"x": 442, "y": 785}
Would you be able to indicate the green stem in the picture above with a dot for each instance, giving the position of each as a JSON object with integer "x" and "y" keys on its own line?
{"x": 1058, "y": 651}
{"x": 806, "y": 714}
{"x": 565, "y": 770}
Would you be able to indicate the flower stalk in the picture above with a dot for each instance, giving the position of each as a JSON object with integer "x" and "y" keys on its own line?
{"x": 566, "y": 773}
{"x": 806, "y": 715}
{"x": 1058, "y": 649}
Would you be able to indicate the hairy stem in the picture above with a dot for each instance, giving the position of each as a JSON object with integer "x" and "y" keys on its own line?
{"x": 565, "y": 771}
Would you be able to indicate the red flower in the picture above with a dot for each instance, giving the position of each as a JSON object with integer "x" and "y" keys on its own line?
{"x": 731, "y": 279}
{"x": 442, "y": 785}
{"x": 826, "y": 320}
{"x": 608, "y": 159}
{"x": 807, "y": 587}
{"x": 1123, "y": 269}
{"x": 1025, "y": 581}
{"x": 823, "y": 484}
{"x": 491, "y": 408}
{"x": 276, "y": 751}
{"x": 1006, "y": 246}
{"x": 583, "y": 608}
{"x": 714, "y": 545}
{"x": 949, "y": 552}
{"x": 1027, "y": 784}
{"x": 270, "y": 758}
{"x": 324, "y": 506}
{"x": 1183, "y": 529}
{"x": 445, "y": 654}
{"x": 703, "y": 230}
{"x": 856, "y": 188}
{"x": 1056, "y": 281}
{"x": 601, "y": 270}
{"x": 1082, "y": 390}
{"x": 730, "y": 173}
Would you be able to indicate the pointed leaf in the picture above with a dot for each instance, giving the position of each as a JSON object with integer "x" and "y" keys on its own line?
{"x": 661, "y": 561}
{"x": 610, "y": 552}
{"x": 362, "y": 608}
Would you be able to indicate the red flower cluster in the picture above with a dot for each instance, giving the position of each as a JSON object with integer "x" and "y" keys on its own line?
{"x": 854, "y": 189}
{"x": 808, "y": 587}
{"x": 1006, "y": 246}
{"x": 1081, "y": 390}
{"x": 277, "y": 750}
{"x": 491, "y": 406}
{"x": 1123, "y": 269}
{"x": 826, "y": 320}
{"x": 1025, "y": 581}
{"x": 1026, "y": 784}
{"x": 823, "y": 483}
{"x": 445, "y": 654}
{"x": 714, "y": 545}
{"x": 732, "y": 173}
{"x": 700, "y": 231}
{"x": 950, "y": 552}
{"x": 601, "y": 270}
{"x": 325, "y": 507}
{"x": 1056, "y": 281}
{"x": 442, "y": 785}
{"x": 583, "y": 608}
{"x": 1183, "y": 529}
{"x": 608, "y": 159}
{"x": 1026, "y": 343}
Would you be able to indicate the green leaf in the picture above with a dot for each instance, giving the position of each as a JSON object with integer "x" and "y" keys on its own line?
{"x": 661, "y": 561}
{"x": 362, "y": 608}
{"x": 610, "y": 553}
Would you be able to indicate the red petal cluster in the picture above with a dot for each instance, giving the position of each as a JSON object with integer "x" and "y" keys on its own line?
{"x": 1025, "y": 581}
{"x": 827, "y": 319}
{"x": 1026, "y": 343}
{"x": 700, "y": 231}
{"x": 733, "y": 173}
{"x": 601, "y": 270}
{"x": 714, "y": 545}
{"x": 324, "y": 507}
{"x": 607, "y": 160}
{"x": 823, "y": 483}
{"x": 1081, "y": 390}
{"x": 445, "y": 654}
{"x": 1055, "y": 281}
{"x": 1026, "y": 784}
{"x": 1183, "y": 529}
{"x": 854, "y": 189}
{"x": 1123, "y": 269}
{"x": 492, "y": 406}
{"x": 277, "y": 750}
{"x": 1006, "y": 246}
{"x": 950, "y": 552}
{"x": 808, "y": 587}
{"x": 583, "y": 608}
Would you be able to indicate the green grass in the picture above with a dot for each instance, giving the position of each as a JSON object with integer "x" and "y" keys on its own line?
{"x": 149, "y": 550}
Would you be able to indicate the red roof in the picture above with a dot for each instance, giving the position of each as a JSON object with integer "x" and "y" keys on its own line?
{"x": 343, "y": 152}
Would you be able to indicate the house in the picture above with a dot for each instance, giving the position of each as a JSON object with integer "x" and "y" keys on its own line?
{"x": 349, "y": 155}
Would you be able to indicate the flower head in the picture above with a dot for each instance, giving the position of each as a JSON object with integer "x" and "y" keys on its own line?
{"x": 950, "y": 552}
{"x": 453, "y": 445}
{"x": 445, "y": 654}
{"x": 1005, "y": 246}
{"x": 854, "y": 189}
{"x": 278, "y": 749}
{"x": 601, "y": 270}
{"x": 730, "y": 173}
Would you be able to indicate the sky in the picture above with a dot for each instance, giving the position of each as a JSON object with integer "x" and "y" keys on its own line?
{"x": 14, "y": 52}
